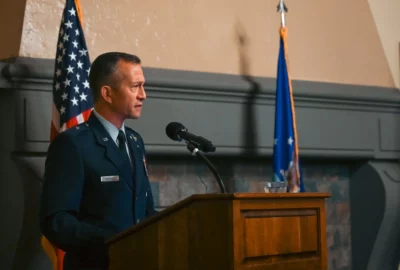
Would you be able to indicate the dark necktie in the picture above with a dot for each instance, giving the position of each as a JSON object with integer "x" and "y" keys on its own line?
{"x": 122, "y": 146}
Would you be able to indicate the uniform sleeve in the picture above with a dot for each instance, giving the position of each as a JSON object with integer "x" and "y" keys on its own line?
{"x": 61, "y": 197}
{"x": 150, "y": 200}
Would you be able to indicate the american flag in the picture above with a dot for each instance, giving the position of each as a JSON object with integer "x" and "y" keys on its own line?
{"x": 72, "y": 96}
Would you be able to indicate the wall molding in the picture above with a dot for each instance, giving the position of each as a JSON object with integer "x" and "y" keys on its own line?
{"x": 334, "y": 120}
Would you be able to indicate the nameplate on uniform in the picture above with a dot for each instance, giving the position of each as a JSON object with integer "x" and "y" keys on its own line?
{"x": 110, "y": 178}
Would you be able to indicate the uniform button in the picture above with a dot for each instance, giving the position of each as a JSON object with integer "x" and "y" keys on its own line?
{"x": 137, "y": 221}
{"x": 136, "y": 198}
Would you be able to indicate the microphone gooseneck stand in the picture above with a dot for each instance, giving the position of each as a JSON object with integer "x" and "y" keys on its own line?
{"x": 196, "y": 152}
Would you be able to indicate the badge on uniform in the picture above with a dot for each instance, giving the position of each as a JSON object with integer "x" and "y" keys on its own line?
{"x": 145, "y": 166}
{"x": 134, "y": 138}
{"x": 110, "y": 178}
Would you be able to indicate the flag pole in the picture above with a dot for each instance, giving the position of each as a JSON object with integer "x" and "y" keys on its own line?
{"x": 282, "y": 9}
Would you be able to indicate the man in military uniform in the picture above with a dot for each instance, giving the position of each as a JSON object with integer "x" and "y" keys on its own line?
{"x": 95, "y": 182}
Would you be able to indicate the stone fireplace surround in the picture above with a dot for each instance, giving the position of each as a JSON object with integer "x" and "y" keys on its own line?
{"x": 348, "y": 139}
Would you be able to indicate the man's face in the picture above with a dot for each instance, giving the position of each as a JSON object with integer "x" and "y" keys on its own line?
{"x": 128, "y": 95}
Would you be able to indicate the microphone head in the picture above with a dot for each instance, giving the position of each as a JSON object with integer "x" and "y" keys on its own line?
{"x": 173, "y": 130}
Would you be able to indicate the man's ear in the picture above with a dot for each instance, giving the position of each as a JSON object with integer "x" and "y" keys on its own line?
{"x": 106, "y": 93}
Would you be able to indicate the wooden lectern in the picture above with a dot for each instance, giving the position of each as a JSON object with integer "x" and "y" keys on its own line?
{"x": 228, "y": 232}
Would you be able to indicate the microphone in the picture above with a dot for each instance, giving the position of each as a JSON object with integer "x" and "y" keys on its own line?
{"x": 176, "y": 132}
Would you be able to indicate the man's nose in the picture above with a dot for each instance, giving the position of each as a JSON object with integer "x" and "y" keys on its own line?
{"x": 142, "y": 93}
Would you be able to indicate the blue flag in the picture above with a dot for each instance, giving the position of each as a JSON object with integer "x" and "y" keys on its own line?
{"x": 286, "y": 163}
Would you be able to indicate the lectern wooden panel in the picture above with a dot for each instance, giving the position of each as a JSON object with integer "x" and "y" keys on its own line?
{"x": 228, "y": 231}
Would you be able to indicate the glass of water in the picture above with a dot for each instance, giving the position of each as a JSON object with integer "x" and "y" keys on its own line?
{"x": 276, "y": 187}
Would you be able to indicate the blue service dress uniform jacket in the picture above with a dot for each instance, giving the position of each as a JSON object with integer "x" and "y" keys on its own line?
{"x": 79, "y": 211}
